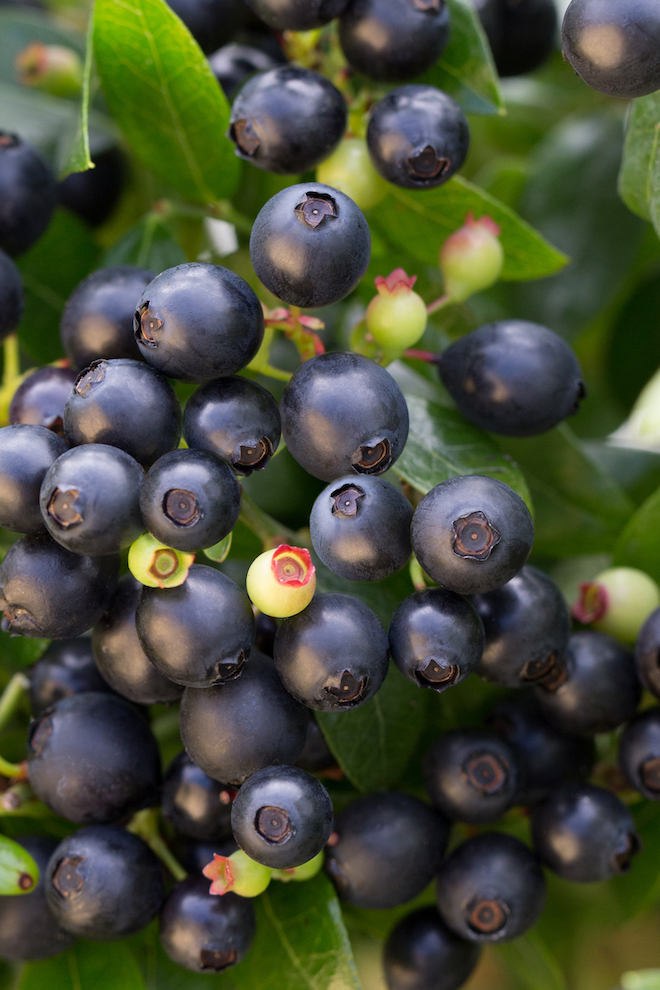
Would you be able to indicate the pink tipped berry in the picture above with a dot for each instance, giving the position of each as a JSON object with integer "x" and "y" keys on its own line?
{"x": 282, "y": 582}
{"x": 471, "y": 258}
{"x": 396, "y": 317}
{"x": 237, "y": 873}
{"x": 617, "y": 602}
{"x": 53, "y": 69}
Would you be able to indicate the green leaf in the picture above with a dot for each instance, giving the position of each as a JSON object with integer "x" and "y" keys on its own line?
{"x": 149, "y": 244}
{"x": 373, "y": 744}
{"x": 639, "y": 543}
{"x": 639, "y": 889}
{"x": 639, "y": 178}
{"x": 442, "y": 444}
{"x": 161, "y": 91}
{"x": 643, "y": 979}
{"x": 466, "y": 69}
{"x": 15, "y": 862}
{"x": 78, "y": 159}
{"x": 419, "y": 222}
{"x": 532, "y": 963}
{"x": 87, "y": 966}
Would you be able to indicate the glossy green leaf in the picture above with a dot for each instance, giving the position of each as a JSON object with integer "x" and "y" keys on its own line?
{"x": 419, "y": 222}
{"x": 149, "y": 244}
{"x": 373, "y": 744}
{"x": 532, "y": 964}
{"x": 442, "y": 444}
{"x": 16, "y": 868}
{"x": 639, "y": 178}
{"x": 87, "y": 966}
{"x": 78, "y": 158}
{"x": 639, "y": 543}
{"x": 639, "y": 889}
{"x": 161, "y": 91}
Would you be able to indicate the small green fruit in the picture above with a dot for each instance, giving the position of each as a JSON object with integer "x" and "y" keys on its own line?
{"x": 396, "y": 317}
{"x": 304, "y": 872}
{"x": 349, "y": 169}
{"x": 237, "y": 873}
{"x": 471, "y": 258}
{"x": 157, "y": 566}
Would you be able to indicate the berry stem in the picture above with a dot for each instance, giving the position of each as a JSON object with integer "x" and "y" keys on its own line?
{"x": 11, "y": 375}
{"x": 12, "y": 696}
{"x": 438, "y": 303}
{"x": 271, "y": 532}
{"x": 420, "y": 355}
{"x": 145, "y": 824}
{"x": 8, "y": 769}
{"x": 416, "y": 575}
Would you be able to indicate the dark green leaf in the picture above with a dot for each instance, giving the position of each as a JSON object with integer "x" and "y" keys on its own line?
{"x": 374, "y": 743}
{"x": 149, "y": 244}
{"x": 15, "y": 862}
{"x": 420, "y": 221}
{"x": 87, "y": 966}
{"x": 639, "y": 543}
{"x": 532, "y": 963}
{"x": 639, "y": 889}
{"x": 161, "y": 91}
{"x": 78, "y": 158}
{"x": 639, "y": 178}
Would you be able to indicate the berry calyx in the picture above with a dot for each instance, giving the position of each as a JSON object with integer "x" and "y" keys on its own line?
{"x": 396, "y": 317}
{"x": 471, "y": 258}
{"x": 282, "y": 582}
{"x": 237, "y": 873}
{"x": 618, "y": 601}
{"x": 156, "y": 565}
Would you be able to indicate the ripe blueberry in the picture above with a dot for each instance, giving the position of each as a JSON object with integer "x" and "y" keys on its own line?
{"x": 232, "y": 65}
{"x": 28, "y": 194}
{"x": 521, "y": 33}
{"x": 310, "y": 245}
{"x": 639, "y": 753}
{"x": 67, "y": 667}
{"x": 94, "y": 194}
{"x": 11, "y": 296}
{"x": 316, "y": 755}
{"x": 418, "y": 137}
{"x": 212, "y": 23}
{"x": 342, "y": 413}
{"x": 197, "y": 806}
{"x": 472, "y": 534}
{"x": 297, "y": 15}
{"x": 421, "y": 953}
{"x": 26, "y": 454}
{"x": 647, "y": 653}
{"x": 41, "y": 397}
{"x": 196, "y": 322}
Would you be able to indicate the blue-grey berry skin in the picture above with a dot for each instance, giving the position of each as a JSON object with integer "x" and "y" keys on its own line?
{"x": 647, "y": 653}
{"x": 287, "y": 120}
{"x": 211, "y": 22}
{"x": 235, "y": 418}
{"x": 388, "y": 848}
{"x": 332, "y": 656}
{"x": 418, "y": 137}
{"x": 282, "y": 817}
{"x": 596, "y": 688}
{"x": 360, "y": 528}
{"x": 28, "y": 194}
{"x": 190, "y": 499}
{"x": 491, "y": 888}
{"x": 196, "y": 322}
{"x": 471, "y": 776}
{"x": 197, "y": 806}
{"x": 67, "y": 667}
{"x": 12, "y": 301}
{"x": 200, "y": 633}
{"x": 515, "y": 378}
{"x": 472, "y": 534}
{"x": 310, "y": 245}
{"x": 297, "y": 15}
{"x": 527, "y": 626}
{"x": 614, "y": 45}
{"x": 522, "y": 36}
{"x": 233, "y": 64}
{"x": 436, "y": 638}
{"x": 26, "y": 454}
{"x": 90, "y": 499}
{"x": 41, "y": 397}
{"x": 342, "y": 413}
{"x": 584, "y": 833}
{"x": 421, "y": 953}
{"x": 393, "y": 42}
{"x": 639, "y": 753}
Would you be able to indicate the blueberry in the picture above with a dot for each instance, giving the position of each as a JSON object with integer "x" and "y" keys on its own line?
{"x": 67, "y": 667}
{"x": 361, "y": 529}
{"x": 287, "y": 120}
{"x": 212, "y": 23}
{"x": 393, "y": 42}
{"x": 93, "y": 195}
{"x": 421, "y": 953}
{"x": 471, "y": 776}
{"x": 28, "y": 929}
{"x": 521, "y": 33}
{"x": 333, "y": 656}
{"x": 190, "y": 499}
{"x": 40, "y": 398}
{"x": 104, "y": 883}
{"x": 126, "y": 404}
{"x": 515, "y": 378}
{"x": 93, "y": 759}
{"x": 28, "y": 194}
{"x": 194, "y": 856}
{"x": 282, "y": 817}
{"x": 310, "y": 245}
{"x": 232, "y": 65}
{"x": 647, "y": 653}
{"x": 97, "y": 321}
{"x": 197, "y": 806}
{"x": 596, "y": 690}
{"x": 584, "y": 833}
{"x": 472, "y": 534}
{"x": 47, "y": 591}
{"x": 26, "y": 454}
{"x": 385, "y": 849}
{"x": 614, "y": 45}
{"x": 545, "y": 756}
{"x": 244, "y": 725}
{"x": 235, "y": 418}
{"x": 12, "y": 301}
{"x": 342, "y": 413}
{"x": 204, "y": 932}
{"x": 90, "y": 500}
{"x": 639, "y": 753}
{"x": 297, "y": 15}
{"x": 196, "y": 322}
{"x": 199, "y": 633}
{"x": 316, "y": 755}
{"x": 527, "y": 627}
{"x": 436, "y": 638}
{"x": 418, "y": 137}
{"x": 119, "y": 656}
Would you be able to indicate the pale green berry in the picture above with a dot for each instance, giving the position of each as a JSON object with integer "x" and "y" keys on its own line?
{"x": 304, "y": 872}
{"x": 237, "y": 873}
{"x": 396, "y": 317}
{"x": 349, "y": 169}
{"x": 471, "y": 259}
{"x": 156, "y": 565}
{"x": 282, "y": 582}
{"x": 53, "y": 69}
{"x": 618, "y": 602}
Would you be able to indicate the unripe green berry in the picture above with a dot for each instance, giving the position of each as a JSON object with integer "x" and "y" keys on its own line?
{"x": 53, "y": 69}
{"x": 350, "y": 170}
{"x": 237, "y": 873}
{"x": 282, "y": 582}
{"x": 396, "y": 317}
{"x": 157, "y": 566}
{"x": 618, "y": 602}
{"x": 471, "y": 258}
{"x": 304, "y": 872}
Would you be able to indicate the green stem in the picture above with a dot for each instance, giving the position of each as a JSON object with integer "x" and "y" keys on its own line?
{"x": 8, "y": 769}
{"x": 145, "y": 824}
{"x": 11, "y": 368}
{"x": 271, "y": 532}
{"x": 11, "y": 697}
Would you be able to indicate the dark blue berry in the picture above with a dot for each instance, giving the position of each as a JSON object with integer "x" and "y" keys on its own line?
{"x": 26, "y": 455}
{"x": 647, "y": 653}
{"x": 12, "y": 301}
{"x": 297, "y": 15}
{"x": 28, "y": 194}
{"x": 67, "y": 667}
{"x": 522, "y": 33}
{"x": 41, "y": 397}
{"x": 421, "y": 953}
{"x": 196, "y": 805}
{"x": 232, "y": 65}
{"x": 316, "y": 755}
{"x": 212, "y": 23}
{"x": 93, "y": 195}
{"x": 194, "y": 856}
{"x": 639, "y": 753}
